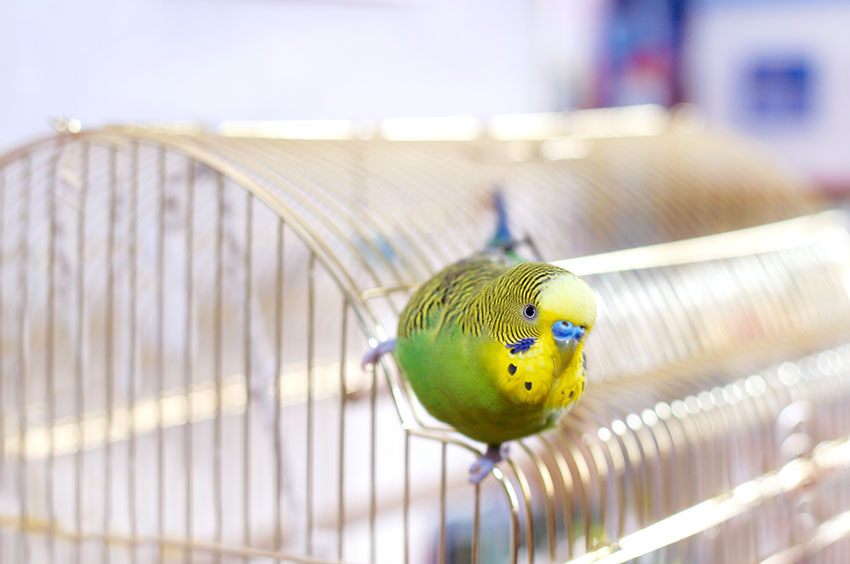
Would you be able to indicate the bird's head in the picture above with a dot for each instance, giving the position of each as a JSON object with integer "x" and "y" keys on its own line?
{"x": 542, "y": 301}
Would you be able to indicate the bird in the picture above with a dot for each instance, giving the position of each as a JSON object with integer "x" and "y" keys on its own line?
{"x": 494, "y": 346}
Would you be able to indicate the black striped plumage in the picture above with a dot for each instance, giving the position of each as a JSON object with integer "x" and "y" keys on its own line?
{"x": 482, "y": 296}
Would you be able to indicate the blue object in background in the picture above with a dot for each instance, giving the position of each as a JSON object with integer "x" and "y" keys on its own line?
{"x": 641, "y": 53}
{"x": 778, "y": 89}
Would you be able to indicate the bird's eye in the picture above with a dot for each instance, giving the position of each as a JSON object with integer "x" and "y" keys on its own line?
{"x": 530, "y": 312}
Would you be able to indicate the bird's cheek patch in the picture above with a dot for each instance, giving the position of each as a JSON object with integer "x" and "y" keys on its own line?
{"x": 520, "y": 346}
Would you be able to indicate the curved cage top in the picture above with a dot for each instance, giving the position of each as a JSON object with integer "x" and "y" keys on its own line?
{"x": 387, "y": 210}
{"x": 203, "y": 299}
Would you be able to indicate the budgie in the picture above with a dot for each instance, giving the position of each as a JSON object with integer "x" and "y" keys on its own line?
{"x": 493, "y": 348}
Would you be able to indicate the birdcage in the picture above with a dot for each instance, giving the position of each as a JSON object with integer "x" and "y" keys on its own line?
{"x": 183, "y": 313}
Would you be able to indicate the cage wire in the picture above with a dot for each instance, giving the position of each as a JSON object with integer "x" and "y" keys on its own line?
{"x": 183, "y": 313}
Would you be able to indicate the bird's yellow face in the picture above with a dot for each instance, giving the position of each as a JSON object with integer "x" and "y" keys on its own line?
{"x": 567, "y": 314}
{"x": 567, "y": 308}
{"x": 533, "y": 300}
{"x": 540, "y": 323}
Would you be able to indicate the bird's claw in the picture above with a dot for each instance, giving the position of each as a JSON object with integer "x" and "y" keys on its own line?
{"x": 375, "y": 353}
{"x": 486, "y": 462}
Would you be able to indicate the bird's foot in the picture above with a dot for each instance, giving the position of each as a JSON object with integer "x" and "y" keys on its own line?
{"x": 375, "y": 353}
{"x": 485, "y": 464}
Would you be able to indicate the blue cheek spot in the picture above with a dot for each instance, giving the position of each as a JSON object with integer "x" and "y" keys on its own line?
{"x": 564, "y": 331}
{"x": 520, "y": 346}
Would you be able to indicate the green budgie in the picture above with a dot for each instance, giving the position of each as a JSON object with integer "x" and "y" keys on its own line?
{"x": 494, "y": 350}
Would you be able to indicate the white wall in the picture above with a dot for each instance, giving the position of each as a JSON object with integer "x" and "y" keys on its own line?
{"x": 725, "y": 36}
{"x": 209, "y": 60}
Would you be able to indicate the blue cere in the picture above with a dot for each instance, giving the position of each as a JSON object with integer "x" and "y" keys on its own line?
{"x": 564, "y": 331}
{"x": 520, "y": 346}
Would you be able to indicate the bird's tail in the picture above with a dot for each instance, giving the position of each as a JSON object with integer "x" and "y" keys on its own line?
{"x": 503, "y": 240}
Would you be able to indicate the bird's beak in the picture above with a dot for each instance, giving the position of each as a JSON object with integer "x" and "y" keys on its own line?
{"x": 568, "y": 336}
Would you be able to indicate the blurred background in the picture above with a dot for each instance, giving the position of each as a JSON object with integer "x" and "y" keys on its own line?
{"x": 773, "y": 69}
{"x": 183, "y": 310}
